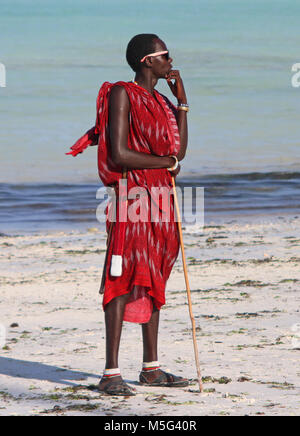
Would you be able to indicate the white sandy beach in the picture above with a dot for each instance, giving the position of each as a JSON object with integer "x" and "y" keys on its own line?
{"x": 244, "y": 280}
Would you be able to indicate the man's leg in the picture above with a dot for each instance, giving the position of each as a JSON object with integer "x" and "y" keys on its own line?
{"x": 150, "y": 337}
{"x": 150, "y": 342}
{"x": 114, "y": 313}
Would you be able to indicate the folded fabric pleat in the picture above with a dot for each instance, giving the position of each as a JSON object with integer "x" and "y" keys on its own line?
{"x": 89, "y": 138}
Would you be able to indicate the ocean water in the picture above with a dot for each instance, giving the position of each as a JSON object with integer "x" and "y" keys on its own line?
{"x": 235, "y": 58}
{"x": 30, "y": 208}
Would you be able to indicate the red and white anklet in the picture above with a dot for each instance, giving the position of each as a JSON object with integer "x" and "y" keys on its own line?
{"x": 150, "y": 366}
{"x": 112, "y": 372}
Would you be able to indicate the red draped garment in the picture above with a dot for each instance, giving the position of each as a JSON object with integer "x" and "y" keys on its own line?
{"x": 150, "y": 248}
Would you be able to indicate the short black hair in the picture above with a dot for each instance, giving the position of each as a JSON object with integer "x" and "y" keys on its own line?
{"x": 138, "y": 47}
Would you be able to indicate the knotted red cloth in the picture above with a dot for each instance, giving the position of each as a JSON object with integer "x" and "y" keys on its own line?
{"x": 150, "y": 248}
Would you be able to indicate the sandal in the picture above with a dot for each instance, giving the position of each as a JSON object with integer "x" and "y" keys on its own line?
{"x": 120, "y": 388}
{"x": 165, "y": 379}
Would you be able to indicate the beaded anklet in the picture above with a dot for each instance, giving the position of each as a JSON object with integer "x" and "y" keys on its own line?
{"x": 113, "y": 372}
{"x": 150, "y": 366}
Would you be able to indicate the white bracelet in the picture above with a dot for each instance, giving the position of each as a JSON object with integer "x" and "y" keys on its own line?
{"x": 174, "y": 167}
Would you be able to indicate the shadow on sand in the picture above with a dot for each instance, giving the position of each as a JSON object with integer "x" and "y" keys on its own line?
{"x": 40, "y": 371}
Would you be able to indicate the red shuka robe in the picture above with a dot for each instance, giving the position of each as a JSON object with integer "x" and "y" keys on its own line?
{"x": 150, "y": 248}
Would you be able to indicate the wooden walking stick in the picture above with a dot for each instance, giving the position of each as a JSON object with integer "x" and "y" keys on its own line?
{"x": 187, "y": 288}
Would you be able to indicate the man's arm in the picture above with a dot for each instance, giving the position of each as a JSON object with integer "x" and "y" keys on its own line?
{"x": 118, "y": 117}
{"x": 178, "y": 91}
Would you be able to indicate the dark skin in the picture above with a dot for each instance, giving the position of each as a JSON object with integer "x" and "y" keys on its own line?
{"x": 152, "y": 69}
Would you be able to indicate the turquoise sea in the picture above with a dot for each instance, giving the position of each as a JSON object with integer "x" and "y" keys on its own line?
{"x": 235, "y": 57}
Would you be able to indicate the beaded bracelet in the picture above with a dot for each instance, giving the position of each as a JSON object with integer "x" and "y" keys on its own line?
{"x": 183, "y": 107}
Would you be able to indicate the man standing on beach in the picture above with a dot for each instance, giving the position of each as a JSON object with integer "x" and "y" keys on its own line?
{"x": 140, "y": 130}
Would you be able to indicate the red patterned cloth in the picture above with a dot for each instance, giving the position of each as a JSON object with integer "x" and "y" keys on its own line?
{"x": 150, "y": 248}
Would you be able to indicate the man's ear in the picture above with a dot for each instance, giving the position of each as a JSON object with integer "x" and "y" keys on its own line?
{"x": 148, "y": 62}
